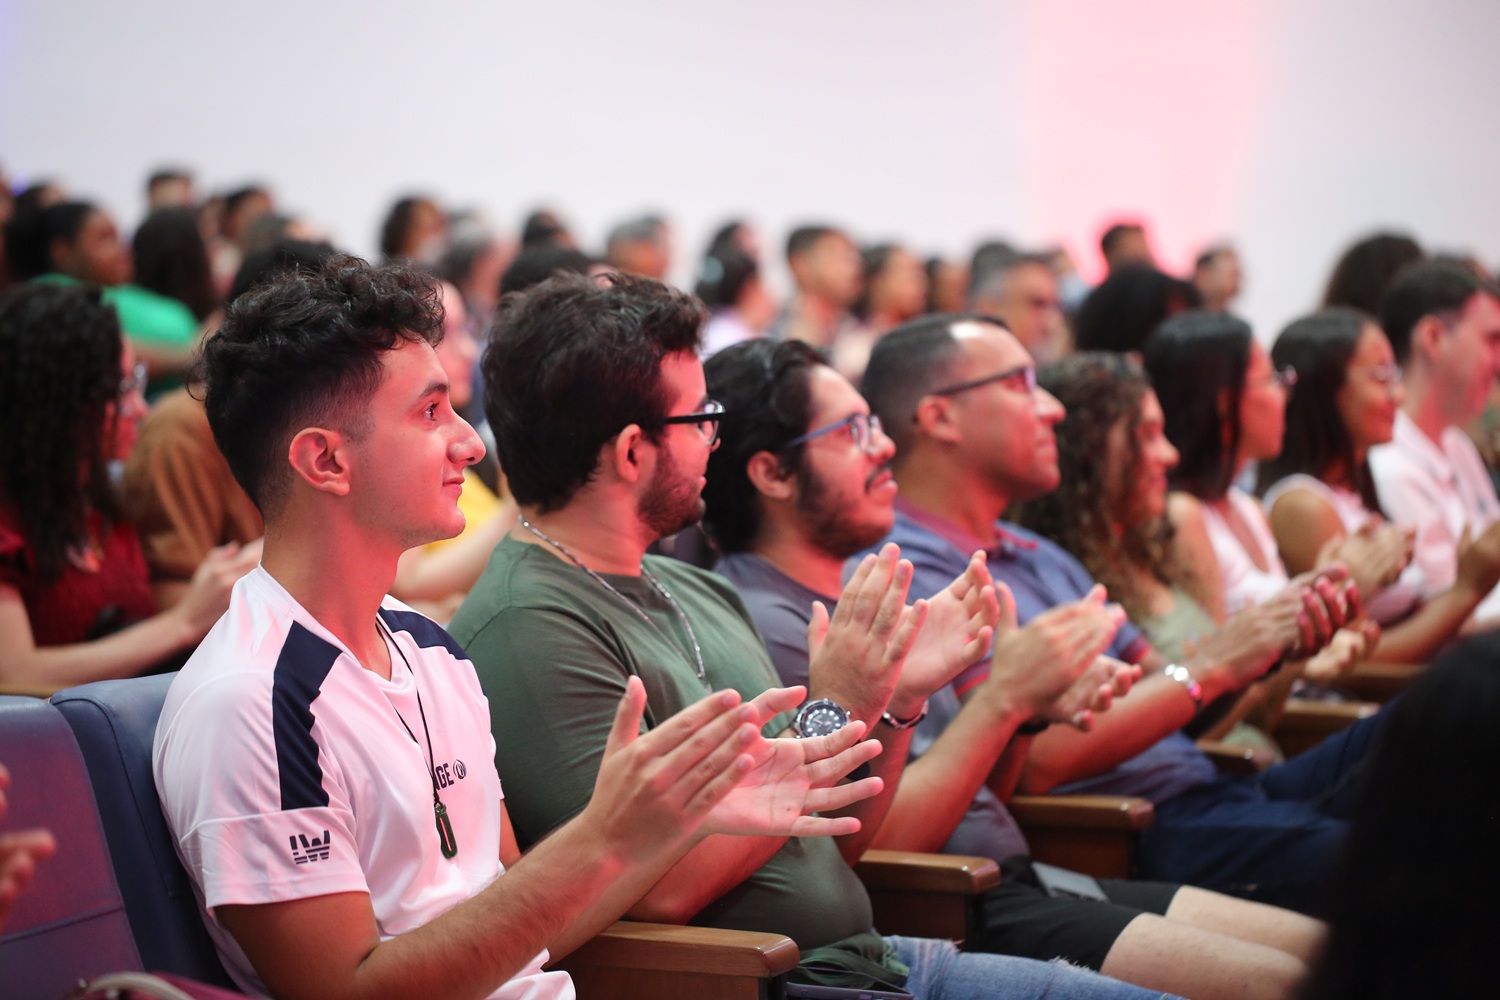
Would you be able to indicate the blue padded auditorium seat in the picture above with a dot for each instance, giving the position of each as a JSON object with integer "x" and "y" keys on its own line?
{"x": 70, "y": 923}
{"x": 114, "y": 723}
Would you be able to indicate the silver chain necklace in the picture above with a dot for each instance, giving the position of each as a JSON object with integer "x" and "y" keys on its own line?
{"x": 681, "y": 615}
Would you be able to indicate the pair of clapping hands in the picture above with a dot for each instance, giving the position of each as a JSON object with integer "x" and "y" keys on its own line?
{"x": 878, "y": 654}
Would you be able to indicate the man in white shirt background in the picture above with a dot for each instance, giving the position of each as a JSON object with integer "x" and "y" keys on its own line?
{"x": 1443, "y": 321}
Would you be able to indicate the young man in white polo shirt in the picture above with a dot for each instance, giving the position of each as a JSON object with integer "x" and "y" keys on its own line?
{"x": 1443, "y": 322}
{"x": 325, "y": 760}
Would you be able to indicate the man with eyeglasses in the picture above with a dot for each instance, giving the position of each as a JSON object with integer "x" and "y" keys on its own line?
{"x": 800, "y": 482}
{"x": 604, "y": 428}
{"x": 973, "y": 435}
{"x": 1443, "y": 322}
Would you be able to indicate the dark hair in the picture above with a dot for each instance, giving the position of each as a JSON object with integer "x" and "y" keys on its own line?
{"x": 284, "y": 255}
{"x": 572, "y": 362}
{"x": 908, "y": 363}
{"x": 723, "y": 275}
{"x": 1099, "y": 390}
{"x": 171, "y": 259}
{"x": 1364, "y": 273}
{"x": 30, "y": 233}
{"x": 1115, "y": 233}
{"x": 1123, "y": 312}
{"x": 1427, "y": 288}
{"x": 59, "y": 371}
{"x": 1197, "y": 362}
{"x": 396, "y": 228}
{"x": 802, "y": 239}
{"x": 1412, "y": 901}
{"x": 873, "y": 259}
{"x": 542, "y": 228}
{"x": 990, "y": 259}
{"x": 763, "y": 385}
{"x": 39, "y": 194}
{"x": 727, "y": 235}
{"x": 234, "y": 199}
{"x": 305, "y": 348}
{"x": 166, "y": 174}
{"x": 1319, "y": 347}
{"x": 535, "y": 264}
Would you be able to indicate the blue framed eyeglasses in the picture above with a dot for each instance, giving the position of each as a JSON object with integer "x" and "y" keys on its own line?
{"x": 862, "y": 428}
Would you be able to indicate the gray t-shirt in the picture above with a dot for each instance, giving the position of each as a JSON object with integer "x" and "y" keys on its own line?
{"x": 553, "y": 649}
{"x": 781, "y": 608}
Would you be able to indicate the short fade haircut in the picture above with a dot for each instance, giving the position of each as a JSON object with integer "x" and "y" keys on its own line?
{"x": 572, "y": 362}
{"x": 305, "y": 349}
{"x": 1428, "y": 288}
{"x": 908, "y": 363}
{"x": 764, "y": 386}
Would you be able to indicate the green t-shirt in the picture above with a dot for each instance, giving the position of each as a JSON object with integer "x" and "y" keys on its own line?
{"x": 553, "y": 649}
{"x": 147, "y": 318}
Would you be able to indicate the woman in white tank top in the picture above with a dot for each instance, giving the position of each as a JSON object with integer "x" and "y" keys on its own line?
{"x": 1320, "y": 496}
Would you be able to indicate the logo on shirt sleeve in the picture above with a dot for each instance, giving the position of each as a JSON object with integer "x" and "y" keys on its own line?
{"x": 305, "y": 851}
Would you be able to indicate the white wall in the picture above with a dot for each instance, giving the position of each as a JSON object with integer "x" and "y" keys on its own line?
{"x": 1290, "y": 126}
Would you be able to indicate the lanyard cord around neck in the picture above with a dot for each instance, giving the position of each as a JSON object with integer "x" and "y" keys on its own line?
{"x": 446, "y": 841}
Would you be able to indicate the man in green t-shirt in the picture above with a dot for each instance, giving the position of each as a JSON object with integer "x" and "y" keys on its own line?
{"x": 603, "y": 426}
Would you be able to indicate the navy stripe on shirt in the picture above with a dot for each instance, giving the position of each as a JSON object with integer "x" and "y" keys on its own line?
{"x": 304, "y": 662}
{"x": 423, "y": 630}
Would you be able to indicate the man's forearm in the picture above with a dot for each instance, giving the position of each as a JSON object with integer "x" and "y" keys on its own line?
{"x": 936, "y": 789}
{"x": 714, "y": 866}
{"x": 1157, "y": 707}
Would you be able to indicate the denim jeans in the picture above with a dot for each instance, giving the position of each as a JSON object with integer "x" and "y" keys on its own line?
{"x": 1272, "y": 837}
{"x": 939, "y": 971}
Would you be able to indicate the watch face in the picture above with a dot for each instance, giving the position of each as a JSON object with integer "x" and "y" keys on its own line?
{"x": 821, "y": 717}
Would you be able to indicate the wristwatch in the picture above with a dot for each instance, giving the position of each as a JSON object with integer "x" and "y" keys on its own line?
{"x": 1188, "y": 681}
{"x": 820, "y": 718}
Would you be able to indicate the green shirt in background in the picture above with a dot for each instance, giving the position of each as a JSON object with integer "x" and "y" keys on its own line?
{"x": 553, "y": 649}
{"x": 147, "y": 318}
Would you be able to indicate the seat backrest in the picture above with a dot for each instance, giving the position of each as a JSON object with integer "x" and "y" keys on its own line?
{"x": 115, "y": 723}
{"x": 70, "y": 923}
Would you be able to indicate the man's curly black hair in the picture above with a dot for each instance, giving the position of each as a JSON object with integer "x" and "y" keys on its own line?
{"x": 59, "y": 372}
{"x": 304, "y": 349}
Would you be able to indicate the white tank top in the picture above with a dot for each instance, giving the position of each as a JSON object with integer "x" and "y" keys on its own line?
{"x": 1245, "y": 583}
{"x": 1394, "y": 602}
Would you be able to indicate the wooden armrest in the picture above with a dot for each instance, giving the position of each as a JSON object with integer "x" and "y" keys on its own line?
{"x": 1090, "y": 812}
{"x": 1304, "y": 724}
{"x": 1376, "y": 681}
{"x": 628, "y": 944}
{"x": 1087, "y": 833}
{"x": 1236, "y": 759}
{"x": 908, "y": 870}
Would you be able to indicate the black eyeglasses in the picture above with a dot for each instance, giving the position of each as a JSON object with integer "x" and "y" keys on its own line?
{"x": 862, "y": 427}
{"x": 1020, "y": 378}
{"x": 706, "y": 419}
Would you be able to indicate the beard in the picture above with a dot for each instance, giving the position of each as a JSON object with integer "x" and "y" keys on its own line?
{"x": 831, "y": 522}
{"x": 672, "y": 501}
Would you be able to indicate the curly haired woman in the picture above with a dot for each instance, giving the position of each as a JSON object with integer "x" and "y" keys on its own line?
{"x": 75, "y": 604}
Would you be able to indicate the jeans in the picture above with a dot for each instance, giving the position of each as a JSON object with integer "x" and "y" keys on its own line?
{"x": 1272, "y": 837}
{"x": 939, "y": 971}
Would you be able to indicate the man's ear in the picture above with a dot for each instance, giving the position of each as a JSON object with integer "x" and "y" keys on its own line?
{"x": 321, "y": 458}
{"x": 624, "y": 454}
{"x": 1427, "y": 337}
{"x": 769, "y": 478}
{"x": 934, "y": 417}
